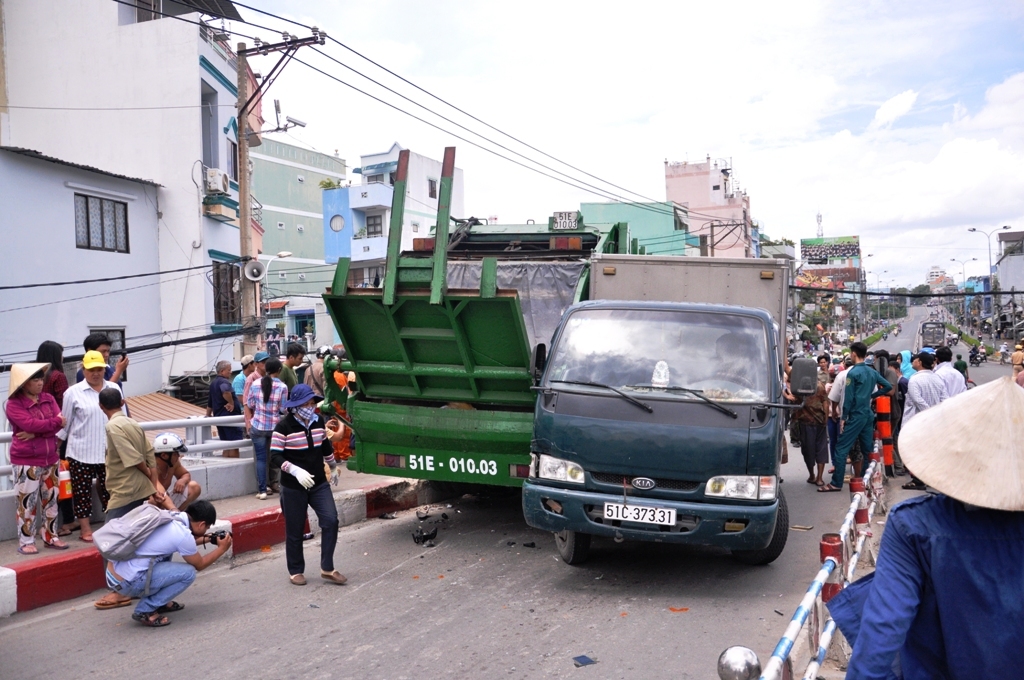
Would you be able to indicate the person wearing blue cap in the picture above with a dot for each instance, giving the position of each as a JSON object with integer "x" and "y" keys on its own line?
{"x": 301, "y": 447}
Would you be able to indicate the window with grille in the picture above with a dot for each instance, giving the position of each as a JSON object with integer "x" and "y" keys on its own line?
{"x": 432, "y": 188}
{"x": 226, "y": 296}
{"x": 101, "y": 224}
{"x": 374, "y": 225}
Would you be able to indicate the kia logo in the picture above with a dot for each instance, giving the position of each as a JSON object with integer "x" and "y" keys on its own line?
{"x": 643, "y": 483}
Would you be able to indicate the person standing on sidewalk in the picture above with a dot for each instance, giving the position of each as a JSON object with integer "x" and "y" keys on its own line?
{"x": 259, "y": 369}
{"x": 301, "y": 447}
{"x": 86, "y": 434}
{"x": 35, "y": 420}
{"x": 264, "y": 404}
{"x": 56, "y": 384}
{"x": 131, "y": 461}
{"x": 99, "y": 342}
{"x": 238, "y": 382}
{"x": 953, "y": 379}
{"x": 944, "y": 600}
{"x": 924, "y": 391}
{"x": 296, "y": 353}
{"x": 223, "y": 403}
{"x": 858, "y": 420}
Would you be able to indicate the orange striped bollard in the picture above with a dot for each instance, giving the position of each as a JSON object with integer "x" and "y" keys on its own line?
{"x": 883, "y": 423}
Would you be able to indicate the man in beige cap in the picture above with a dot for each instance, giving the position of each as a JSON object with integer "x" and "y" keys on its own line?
{"x": 945, "y": 599}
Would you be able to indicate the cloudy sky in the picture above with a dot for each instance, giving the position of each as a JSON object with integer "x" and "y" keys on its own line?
{"x": 900, "y": 122}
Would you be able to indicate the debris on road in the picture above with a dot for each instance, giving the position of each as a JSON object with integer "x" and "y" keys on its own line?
{"x": 422, "y": 515}
{"x": 800, "y": 527}
{"x": 778, "y": 612}
{"x": 510, "y": 543}
{"x": 677, "y": 610}
{"x": 530, "y": 544}
{"x": 444, "y": 515}
{"x": 583, "y": 661}
{"x": 314, "y": 606}
{"x": 419, "y": 536}
{"x": 389, "y": 515}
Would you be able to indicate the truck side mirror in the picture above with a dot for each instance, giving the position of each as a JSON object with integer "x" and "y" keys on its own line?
{"x": 803, "y": 378}
{"x": 538, "y": 361}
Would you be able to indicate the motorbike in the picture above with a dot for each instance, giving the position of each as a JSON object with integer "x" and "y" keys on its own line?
{"x": 976, "y": 358}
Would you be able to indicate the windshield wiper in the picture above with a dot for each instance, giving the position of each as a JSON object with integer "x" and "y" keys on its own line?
{"x": 697, "y": 393}
{"x": 631, "y": 400}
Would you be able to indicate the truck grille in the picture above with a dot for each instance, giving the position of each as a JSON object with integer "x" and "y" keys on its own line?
{"x": 664, "y": 484}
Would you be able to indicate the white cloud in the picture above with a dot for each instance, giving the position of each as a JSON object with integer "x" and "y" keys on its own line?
{"x": 893, "y": 109}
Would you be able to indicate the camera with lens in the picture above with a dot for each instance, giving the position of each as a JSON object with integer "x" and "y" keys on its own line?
{"x": 212, "y": 538}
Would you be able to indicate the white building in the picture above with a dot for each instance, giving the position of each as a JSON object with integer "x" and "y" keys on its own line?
{"x": 365, "y": 210}
{"x": 117, "y": 87}
{"x": 935, "y": 273}
{"x": 66, "y": 222}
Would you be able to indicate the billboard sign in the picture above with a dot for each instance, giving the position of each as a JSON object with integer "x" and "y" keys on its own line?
{"x": 835, "y": 251}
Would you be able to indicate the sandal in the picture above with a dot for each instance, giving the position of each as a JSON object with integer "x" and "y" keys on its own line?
{"x": 104, "y": 603}
{"x": 86, "y": 539}
{"x": 56, "y": 544}
{"x": 28, "y": 549}
{"x": 915, "y": 486}
{"x": 828, "y": 488}
{"x": 151, "y": 619}
{"x": 171, "y": 606}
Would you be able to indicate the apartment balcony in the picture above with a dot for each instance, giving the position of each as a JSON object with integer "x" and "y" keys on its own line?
{"x": 370, "y": 196}
{"x": 364, "y": 249}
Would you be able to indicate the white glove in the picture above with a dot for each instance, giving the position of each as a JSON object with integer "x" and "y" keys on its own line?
{"x": 303, "y": 477}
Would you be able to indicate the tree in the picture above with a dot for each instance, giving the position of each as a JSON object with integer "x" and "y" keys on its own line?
{"x": 329, "y": 184}
{"x": 920, "y": 289}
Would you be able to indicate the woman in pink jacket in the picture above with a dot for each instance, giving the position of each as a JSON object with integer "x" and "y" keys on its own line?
{"x": 35, "y": 419}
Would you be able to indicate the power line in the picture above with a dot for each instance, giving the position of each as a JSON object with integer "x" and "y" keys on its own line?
{"x": 85, "y": 297}
{"x": 111, "y": 278}
{"x": 118, "y": 108}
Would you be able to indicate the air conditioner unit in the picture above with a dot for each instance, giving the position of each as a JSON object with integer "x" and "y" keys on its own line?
{"x": 217, "y": 181}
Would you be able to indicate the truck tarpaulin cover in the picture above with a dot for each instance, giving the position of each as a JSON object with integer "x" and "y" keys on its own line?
{"x": 546, "y": 289}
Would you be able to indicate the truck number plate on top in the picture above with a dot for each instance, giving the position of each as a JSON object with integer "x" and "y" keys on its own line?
{"x": 640, "y": 513}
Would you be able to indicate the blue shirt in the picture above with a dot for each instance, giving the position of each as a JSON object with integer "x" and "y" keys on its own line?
{"x": 947, "y": 596}
{"x": 238, "y": 384}
{"x": 216, "y": 400}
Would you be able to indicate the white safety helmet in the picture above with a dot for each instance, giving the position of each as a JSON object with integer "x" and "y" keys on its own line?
{"x": 323, "y": 351}
{"x": 168, "y": 442}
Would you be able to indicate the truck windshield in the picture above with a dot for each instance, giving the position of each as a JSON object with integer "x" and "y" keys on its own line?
{"x": 724, "y": 356}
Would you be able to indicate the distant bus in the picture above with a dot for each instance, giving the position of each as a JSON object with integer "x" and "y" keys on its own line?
{"x": 933, "y": 334}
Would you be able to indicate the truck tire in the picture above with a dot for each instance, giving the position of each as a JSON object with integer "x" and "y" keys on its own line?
{"x": 774, "y": 549}
{"x": 573, "y": 546}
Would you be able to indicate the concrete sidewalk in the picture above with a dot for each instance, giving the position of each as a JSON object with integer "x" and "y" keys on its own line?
{"x": 30, "y": 581}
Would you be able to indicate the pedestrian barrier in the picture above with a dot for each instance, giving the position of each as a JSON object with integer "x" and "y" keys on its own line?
{"x": 840, "y": 553}
{"x": 198, "y": 435}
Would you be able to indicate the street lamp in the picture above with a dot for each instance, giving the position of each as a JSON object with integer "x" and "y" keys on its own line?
{"x": 988, "y": 235}
{"x": 280, "y": 256}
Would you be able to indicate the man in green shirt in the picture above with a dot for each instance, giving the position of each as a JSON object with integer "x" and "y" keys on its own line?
{"x": 858, "y": 420}
{"x": 961, "y": 365}
{"x": 295, "y": 354}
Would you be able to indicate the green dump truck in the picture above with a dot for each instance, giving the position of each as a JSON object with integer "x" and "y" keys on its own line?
{"x": 442, "y": 350}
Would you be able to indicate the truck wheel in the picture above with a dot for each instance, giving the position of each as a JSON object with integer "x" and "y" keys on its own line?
{"x": 774, "y": 549}
{"x": 573, "y": 546}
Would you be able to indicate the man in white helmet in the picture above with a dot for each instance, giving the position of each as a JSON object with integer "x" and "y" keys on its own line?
{"x": 315, "y": 373}
{"x": 181, "y": 489}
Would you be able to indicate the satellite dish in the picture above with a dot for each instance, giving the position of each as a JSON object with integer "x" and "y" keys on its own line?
{"x": 254, "y": 270}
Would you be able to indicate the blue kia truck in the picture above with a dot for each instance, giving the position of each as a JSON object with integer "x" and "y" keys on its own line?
{"x": 660, "y": 414}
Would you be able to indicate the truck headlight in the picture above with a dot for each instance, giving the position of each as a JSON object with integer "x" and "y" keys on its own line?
{"x": 549, "y": 467}
{"x": 741, "y": 486}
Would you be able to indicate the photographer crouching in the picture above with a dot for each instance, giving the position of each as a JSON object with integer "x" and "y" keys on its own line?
{"x": 151, "y": 576}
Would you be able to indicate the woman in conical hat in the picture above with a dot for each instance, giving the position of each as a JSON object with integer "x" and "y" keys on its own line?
{"x": 946, "y": 599}
{"x": 35, "y": 420}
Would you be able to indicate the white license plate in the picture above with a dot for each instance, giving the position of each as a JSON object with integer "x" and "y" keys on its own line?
{"x": 644, "y": 514}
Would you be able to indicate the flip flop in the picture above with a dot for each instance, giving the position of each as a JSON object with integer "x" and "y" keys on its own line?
{"x": 28, "y": 550}
{"x": 914, "y": 486}
{"x": 171, "y": 606}
{"x": 101, "y": 604}
{"x": 828, "y": 488}
{"x": 56, "y": 544}
{"x": 85, "y": 539}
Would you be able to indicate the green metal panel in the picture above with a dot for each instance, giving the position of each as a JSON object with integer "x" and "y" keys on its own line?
{"x": 467, "y": 348}
{"x": 443, "y": 444}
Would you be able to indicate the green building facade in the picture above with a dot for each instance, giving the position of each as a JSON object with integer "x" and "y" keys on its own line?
{"x": 660, "y": 228}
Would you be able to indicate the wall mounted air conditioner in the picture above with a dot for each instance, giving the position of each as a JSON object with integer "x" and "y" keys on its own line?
{"x": 217, "y": 181}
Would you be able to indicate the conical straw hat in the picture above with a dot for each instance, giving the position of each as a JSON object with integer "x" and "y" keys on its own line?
{"x": 971, "y": 446}
{"x": 21, "y": 373}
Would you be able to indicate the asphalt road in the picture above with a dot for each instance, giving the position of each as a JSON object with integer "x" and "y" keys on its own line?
{"x": 473, "y": 606}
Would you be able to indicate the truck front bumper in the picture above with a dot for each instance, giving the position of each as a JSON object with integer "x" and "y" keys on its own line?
{"x": 697, "y": 523}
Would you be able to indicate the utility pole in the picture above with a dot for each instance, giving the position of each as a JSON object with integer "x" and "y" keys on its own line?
{"x": 288, "y": 46}
{"x": 248, "y": 304}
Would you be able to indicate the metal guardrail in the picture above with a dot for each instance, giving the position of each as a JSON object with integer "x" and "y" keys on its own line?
{"x": 198, "y": 436}
{"x": 840, "y": 553}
